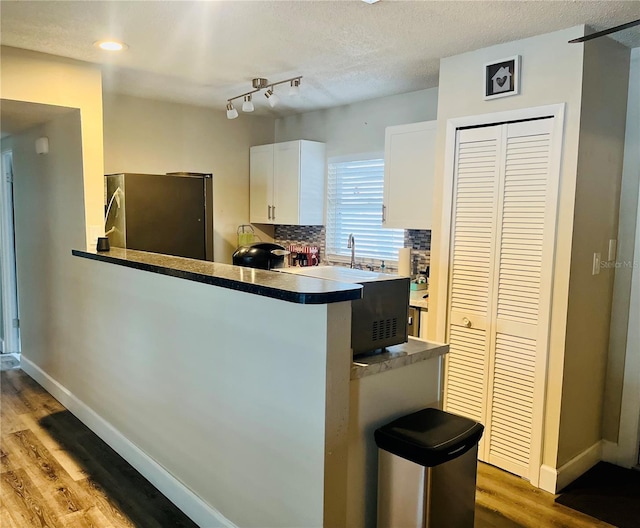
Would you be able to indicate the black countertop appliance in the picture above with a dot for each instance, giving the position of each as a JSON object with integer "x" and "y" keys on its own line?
{"x": 263, "y": 255}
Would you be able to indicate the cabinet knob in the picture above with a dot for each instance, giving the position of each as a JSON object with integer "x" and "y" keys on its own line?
{"x": 466, "y": 322}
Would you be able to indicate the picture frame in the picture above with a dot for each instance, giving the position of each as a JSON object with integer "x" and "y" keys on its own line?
{"x": 502, "y": 78}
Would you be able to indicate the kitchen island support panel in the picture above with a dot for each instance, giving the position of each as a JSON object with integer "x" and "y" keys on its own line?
{"x": 241, "y": 399}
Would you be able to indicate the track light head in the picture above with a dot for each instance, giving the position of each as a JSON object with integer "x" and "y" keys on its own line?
{"x": 247, "y": 105}
{"x": 294, "y": 89}
{"x": 232, "y": 113}
{"x": 271, "y": 97}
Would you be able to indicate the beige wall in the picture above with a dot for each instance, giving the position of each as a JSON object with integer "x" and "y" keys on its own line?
{"x": 621, "y": 324}
{"x": 544, "y": 81}
{"x": 176, "y": 374}
{"x": 358, "y": 128}
{"x": 141, "y": 135}
{"x": 49, "y": 223}
{"x": 590, "y": 186}
{"x": 602, "y": 130}
{"x": 39, "y": 78}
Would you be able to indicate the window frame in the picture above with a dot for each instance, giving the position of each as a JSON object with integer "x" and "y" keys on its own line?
{"x": 345, "y": 259}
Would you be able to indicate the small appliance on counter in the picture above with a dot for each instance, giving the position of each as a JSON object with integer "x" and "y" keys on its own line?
{"x": 304, "y": 256}
{"x": 262, "y": 255}
{"x": 380, "y": 318}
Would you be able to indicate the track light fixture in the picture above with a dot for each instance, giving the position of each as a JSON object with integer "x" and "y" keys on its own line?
{"x": 261, "y": 84}
{"x": 232, "y": 113}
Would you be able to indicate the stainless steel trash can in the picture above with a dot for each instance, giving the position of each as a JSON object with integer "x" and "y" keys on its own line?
{"x": 427, "y": 465}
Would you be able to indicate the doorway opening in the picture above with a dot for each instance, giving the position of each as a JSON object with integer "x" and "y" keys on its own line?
{"x": 9, "y": 312}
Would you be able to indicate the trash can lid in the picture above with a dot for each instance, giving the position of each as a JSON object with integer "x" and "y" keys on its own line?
{"x": 429, "y": 437}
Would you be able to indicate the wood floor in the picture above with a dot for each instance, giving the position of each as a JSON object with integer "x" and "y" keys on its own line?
{"x": 506, "y": 501}
{"x": 55, "y": 473}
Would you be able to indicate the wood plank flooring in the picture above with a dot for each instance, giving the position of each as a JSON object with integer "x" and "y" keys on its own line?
{"x": 55, "y": 473}
{"x": 506, "y": 501}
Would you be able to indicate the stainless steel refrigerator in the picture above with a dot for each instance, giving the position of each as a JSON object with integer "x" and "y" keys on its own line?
{"x": 161, "y": 213}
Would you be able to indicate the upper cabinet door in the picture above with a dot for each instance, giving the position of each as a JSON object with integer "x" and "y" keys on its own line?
{"x": 287, "y": 183}
{"x": 409, "y": 165}
{"x": 286, "y": 178}
{"x": 261, "y": 184}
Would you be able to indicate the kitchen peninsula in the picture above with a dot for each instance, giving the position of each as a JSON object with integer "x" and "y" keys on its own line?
{"x": 236, "y": 394}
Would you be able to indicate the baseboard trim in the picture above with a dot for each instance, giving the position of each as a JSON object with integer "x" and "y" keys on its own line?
{"x": 554, "y": 480}
{"x": 548, "y": 478}
{"x": 610, "y": 451}
{"x": 200, "y": 512}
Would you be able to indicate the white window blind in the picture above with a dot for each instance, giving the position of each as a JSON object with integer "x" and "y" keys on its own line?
{"x": 354, "y": 205}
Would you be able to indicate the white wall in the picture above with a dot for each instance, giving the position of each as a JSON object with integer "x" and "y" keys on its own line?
{"x": 358, "y": 128}
{"x": 543, "y": 82}
{"x": 156, "y": 137}
{"x": 39, "y": 78}
{"x": 625, "y": 333}
{"x": 589, "y": 191}
{"x": 49, "y": 223}
{"x": 602, "y": 136}
{"x": 219, "y": 397}
{"x": 211, "y": 384}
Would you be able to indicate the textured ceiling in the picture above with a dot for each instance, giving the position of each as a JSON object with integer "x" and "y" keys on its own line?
{"x": 206, "y": 52}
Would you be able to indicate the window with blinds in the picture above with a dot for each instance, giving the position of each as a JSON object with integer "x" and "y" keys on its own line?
{"x": 354, "y": 205}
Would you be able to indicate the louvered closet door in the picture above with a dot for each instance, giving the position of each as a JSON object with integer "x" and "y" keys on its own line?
{"x": 473, "y": 247}
{"x": 526, "y": 217}
{"x": 503, "y": 225}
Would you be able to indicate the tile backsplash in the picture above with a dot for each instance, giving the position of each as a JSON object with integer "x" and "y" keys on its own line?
{"x": 417, "y": 239}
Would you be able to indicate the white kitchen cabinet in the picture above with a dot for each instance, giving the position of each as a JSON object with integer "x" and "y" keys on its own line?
{"x": 287, "y": 183}
{"x": 409, "y": 164}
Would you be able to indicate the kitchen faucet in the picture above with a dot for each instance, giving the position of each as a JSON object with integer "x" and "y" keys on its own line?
{"x": 351, "y": 244}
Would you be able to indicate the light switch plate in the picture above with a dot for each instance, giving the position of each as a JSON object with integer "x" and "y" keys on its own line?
{"x": 613, "y": 247}
{"x": 596, "y": 264}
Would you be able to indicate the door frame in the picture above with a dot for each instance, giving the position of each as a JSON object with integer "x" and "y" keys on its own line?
{"x": 556, "y": 111}
{"x": 8, "y": 278}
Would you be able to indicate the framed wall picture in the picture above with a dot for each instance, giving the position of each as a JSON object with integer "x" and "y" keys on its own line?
{"x": 502, "y": 78}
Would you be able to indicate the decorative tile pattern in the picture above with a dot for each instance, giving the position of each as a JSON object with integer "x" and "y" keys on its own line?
{"x": 288, "y": 235}
{"x": 417, "y": 239}
{"x": 420, "y": 242}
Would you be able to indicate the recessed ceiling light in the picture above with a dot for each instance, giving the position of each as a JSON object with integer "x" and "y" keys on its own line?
{"x": 111, "y": 45}
{"x": 370, "y": 1}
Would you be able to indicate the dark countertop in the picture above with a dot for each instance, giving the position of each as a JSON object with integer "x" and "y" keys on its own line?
{"x": 283, "y": 286}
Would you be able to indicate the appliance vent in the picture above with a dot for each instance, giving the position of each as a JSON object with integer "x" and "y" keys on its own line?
{"x": 384, "y": 329}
